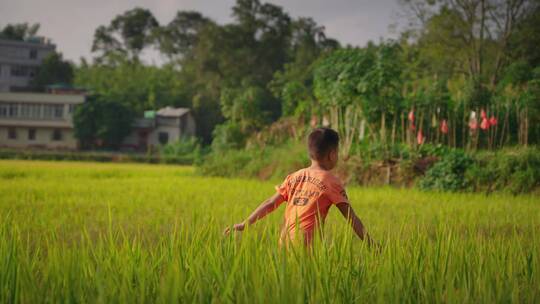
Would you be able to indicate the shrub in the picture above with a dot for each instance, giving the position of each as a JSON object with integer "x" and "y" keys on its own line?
{"x": 448, "y": 174}
{"x": 186, "y": 148}
{"x": 510, "y": 170}
{"x": 264, "y": 163}
{"x": 228, "y": 136}
{"x": 433, "y": 150}
{"x": 227, "y": 163}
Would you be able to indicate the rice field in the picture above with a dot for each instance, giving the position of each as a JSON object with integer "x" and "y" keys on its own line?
{"x": 130, "y": 233}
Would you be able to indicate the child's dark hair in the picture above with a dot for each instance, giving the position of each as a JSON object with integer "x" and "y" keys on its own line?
{"x": 321, "y": 141}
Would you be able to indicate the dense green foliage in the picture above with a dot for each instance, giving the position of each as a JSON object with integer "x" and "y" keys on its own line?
{"x": 515, "y": 171}
{"x": 53, "y": 70}
{"x": 188, "y": 149}
{"x": 269, "y": 163}
{"x": 448, "y": 174}
{"x": 135, "y": 233}
{"x": 102, "y": 123}
{"x": 19, "y": 31}
{"x": 127, "y": 34}
{"x": 136, "y": 86}
{"x": 222, "y": 72}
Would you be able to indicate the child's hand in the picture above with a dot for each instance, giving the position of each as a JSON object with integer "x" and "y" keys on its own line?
{"x": 236, "y": 227}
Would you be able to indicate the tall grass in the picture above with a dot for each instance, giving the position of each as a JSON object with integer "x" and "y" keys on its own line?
{"x": 118, "y": 233}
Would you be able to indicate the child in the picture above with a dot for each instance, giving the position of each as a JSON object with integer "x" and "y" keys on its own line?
{"x": 309, "y": 193}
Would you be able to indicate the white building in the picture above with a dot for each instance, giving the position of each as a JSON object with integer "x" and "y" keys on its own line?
{"x": 161, "y": 127}
{"x": 31, "y": 120}
{"x": 20, "y": 60}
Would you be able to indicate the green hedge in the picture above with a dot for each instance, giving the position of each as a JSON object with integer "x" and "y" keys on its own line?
{"x": 514, "y": 170}
{"x": 269, "y": 162}
{"x": 509, "y": 170}
{"x": 94, "y": 156}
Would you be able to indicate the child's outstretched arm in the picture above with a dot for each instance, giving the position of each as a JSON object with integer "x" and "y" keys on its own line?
{"x": 356, "y": 223}
{"x": 264, "y": 208}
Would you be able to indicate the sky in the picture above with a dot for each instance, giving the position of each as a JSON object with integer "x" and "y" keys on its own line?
{"x": 71, "y": 23}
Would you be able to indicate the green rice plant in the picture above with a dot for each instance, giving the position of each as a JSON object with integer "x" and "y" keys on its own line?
{"x": 135, "y": 233}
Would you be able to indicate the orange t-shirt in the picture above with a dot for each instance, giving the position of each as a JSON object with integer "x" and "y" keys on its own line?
{"x": 309, "y": 194}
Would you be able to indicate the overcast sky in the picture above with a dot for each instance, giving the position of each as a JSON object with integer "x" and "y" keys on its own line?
{"x": 71, "y": 23}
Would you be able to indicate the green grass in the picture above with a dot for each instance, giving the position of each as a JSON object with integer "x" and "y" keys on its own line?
{"x": 123, "y": 233}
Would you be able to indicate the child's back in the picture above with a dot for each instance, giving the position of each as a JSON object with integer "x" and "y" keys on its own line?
{"x": 310, "y": 193}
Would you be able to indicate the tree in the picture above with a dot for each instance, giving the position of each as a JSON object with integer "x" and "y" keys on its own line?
{"x": 135, "y": 85}
{"x": 178, "y": 38}
{"x": 19, "y": 31}
{"x": 524, "y": 43}
{"x": 201, "y": 76}
{"x": 101, "y": 123}
{"x": 235, "y": 61}
{"x": 244, "y": 106}
{"x": 475, "y": 35}
{"x": 294, "y": 84}
{"x": 382, "y": 86}
{"x": 53, "y": 69}
{"x": 337, "y": 80}
{"x": 221, "y": 71}
{"x": 255, "y": 46}
{"x": 127, "y": 34}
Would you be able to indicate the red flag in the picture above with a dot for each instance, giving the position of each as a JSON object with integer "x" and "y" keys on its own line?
{"x": 420, "y": 137}
{"x": 483, "y": 114}
{"x": 493, "y": 121}
{"x": 485, "y": 124}
{"x": 411, "y": 116}
{"x": 444, "y": 127}
{"x": 413, "y": 127}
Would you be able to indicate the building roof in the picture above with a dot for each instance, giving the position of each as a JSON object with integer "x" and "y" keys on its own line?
{"x": 35, "y": 42}
{"x": 172, "y": 112}
{"x": 41, "y": 97}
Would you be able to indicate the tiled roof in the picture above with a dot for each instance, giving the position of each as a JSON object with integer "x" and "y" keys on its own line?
{"x": 172, "y": 112}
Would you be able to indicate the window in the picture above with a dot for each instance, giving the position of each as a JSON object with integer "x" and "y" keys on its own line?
{"x": 25, "y": 110}
{"x": 33, "y": 54}
{"x": 163, "y": 138}
{"x": 58, "y": 111}
{"x": 20, "y": 71}
{"x": 3, "y": 109}
{"x": 71, "y": 108}
{"x": 47, "y": 111}
{"x": 29, "y": 110}
{"x": 13, "y": 110}
{"x": 31, "y": 134}
{"x": 53, "y": 111}
{"x": 12, "y": 133}
{"x": 9, "y": 109}
{"x": 57, "y": 134}
{"x": 35, "y": 111}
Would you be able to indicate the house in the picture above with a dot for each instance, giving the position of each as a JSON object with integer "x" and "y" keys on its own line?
{"x": 38, "y": 120}
{"x": 160, "y": 127}
{"x": 20, "y": 60}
